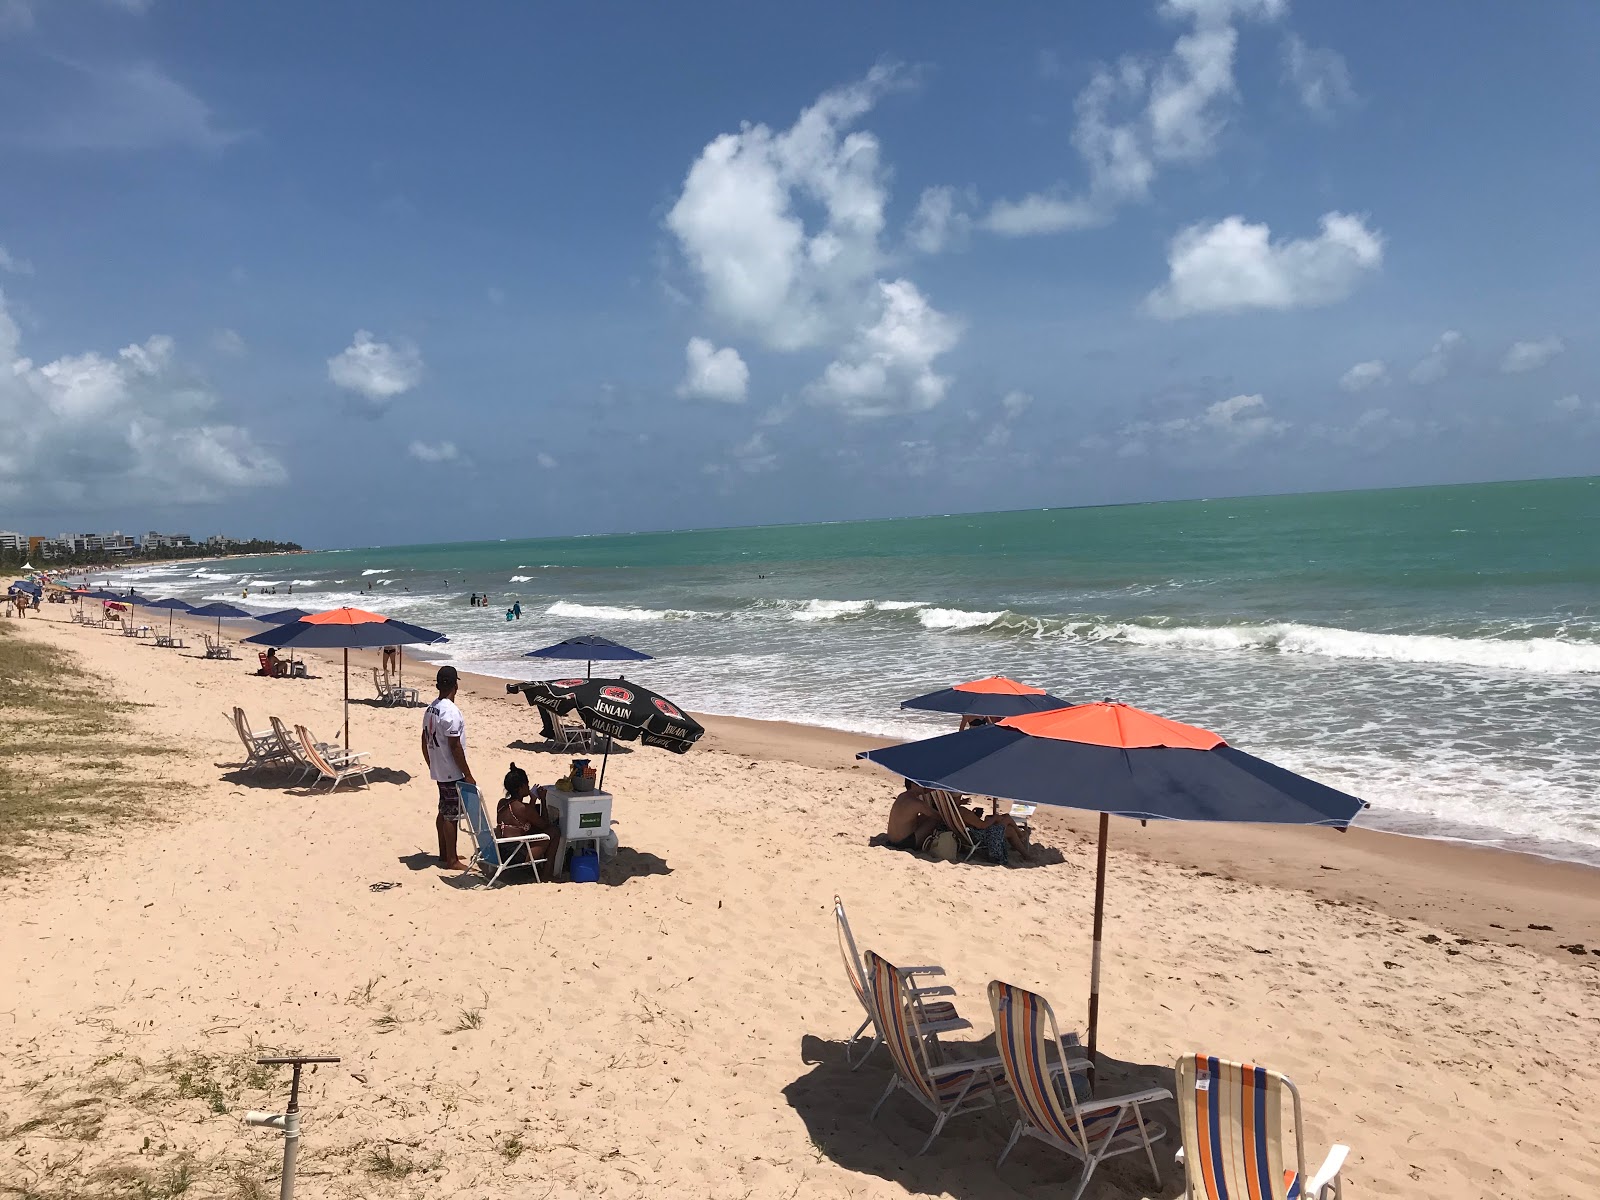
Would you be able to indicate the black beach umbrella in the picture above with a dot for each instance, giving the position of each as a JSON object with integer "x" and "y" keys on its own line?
{"x": 617, "y": 708}
{"x": 591, "y": 648}
{"x": 995, "y": 696}
{"x": 1118, "y": 761}
{"x": 345, "y": 629}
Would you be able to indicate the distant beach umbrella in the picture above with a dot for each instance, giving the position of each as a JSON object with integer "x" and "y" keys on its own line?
{"x": 995, "y": 696}
{"x": 618, "y": 708}
{"x": 220, "y": 609}
{"x": 282, "y": 616}
{"x": 345, "y": 629}
{"x": 173, "y": 606}
{"x": 591, "y": 648}
{"x": 1116, "y": 760}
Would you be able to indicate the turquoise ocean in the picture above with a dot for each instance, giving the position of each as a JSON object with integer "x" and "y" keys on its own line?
{"x": 1433, "y": 650}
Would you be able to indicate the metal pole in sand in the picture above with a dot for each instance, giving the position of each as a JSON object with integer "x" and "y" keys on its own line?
{"x": 1099, "y": 924}
{"x": 288, "y": 1120}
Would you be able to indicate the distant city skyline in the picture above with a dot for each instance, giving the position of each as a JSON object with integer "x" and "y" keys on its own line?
{"x": 526, "y": 274}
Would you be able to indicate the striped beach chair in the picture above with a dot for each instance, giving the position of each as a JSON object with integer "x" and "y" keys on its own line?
{"x": 948, "y": 806}
{"x": 1048, "y": 1108}
{"x": 934, "y": 1014}
{"x": 1231, "y": 1116}
{"x": 944, "y": 1089}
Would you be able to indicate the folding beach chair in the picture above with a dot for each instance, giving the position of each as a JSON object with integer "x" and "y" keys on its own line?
{"x": 563, "y": 736}
{"x": 935, "y": 1016}
{"x": 492, "y": 850}
{"x": 398, "y": 692}
{"x": 1048, "y": 1108}
{"x": 262, "y": 748}
{"x": 948, "y": 806}
{"x": 944, "y": 1089}
{"x": 335, "y": 769}
{"x": 381, "y": 683}
{"x": 1231, "y": 1118}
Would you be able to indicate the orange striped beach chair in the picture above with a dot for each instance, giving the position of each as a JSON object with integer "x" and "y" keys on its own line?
{"x": 935, "y": 1013}
{"x": 1231, "y": 1116}
{"x": 944, "y": 1089}
{"x": 1048, "y": 1107}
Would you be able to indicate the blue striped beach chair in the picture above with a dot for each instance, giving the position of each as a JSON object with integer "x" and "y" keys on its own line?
{"x": 944, "y": 1089}
{"x": 934, "y": 1014}
{"x": 1231, "y": 1116}
{"x": 1048, "y": 1107}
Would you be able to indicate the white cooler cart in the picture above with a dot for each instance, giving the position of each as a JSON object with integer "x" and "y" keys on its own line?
{"x": 582, "y": 816}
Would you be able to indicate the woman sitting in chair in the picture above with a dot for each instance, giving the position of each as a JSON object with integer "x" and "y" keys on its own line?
{"x": 518, "y": 814}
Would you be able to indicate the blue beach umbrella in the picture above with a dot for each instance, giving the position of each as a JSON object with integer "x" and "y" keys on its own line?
{"x": 173, "y": 606}
{"x": 995, "y": 696}
{"x": 220, "y": 609}
{"x": 282, "y": 616}
{"x": 345, "y": 629}
{"x": 1117, "y": 760}
{"x": 591, "y": 648}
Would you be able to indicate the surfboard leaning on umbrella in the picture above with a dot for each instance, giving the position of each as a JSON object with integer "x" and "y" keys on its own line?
{"x": 1116, "y": 760}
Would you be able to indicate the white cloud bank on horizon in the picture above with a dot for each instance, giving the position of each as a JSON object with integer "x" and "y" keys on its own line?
{"x": 1136, "y": 117}
{"x": 741, "y": 223}
{"x": 86, "y": 430}
{"x": 1233, "y": 265}
{"x": 714, "y": 374}
{"x": 1530, "y": 356}
{"x": 377, "y": 371}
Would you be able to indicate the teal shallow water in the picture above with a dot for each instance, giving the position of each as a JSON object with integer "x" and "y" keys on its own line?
{"x": 1434, "y": 650}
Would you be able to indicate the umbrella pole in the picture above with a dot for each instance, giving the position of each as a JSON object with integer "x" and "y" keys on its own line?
{"x": 604, "y": 759}
{"x": 1099, "y": 924}
{"x": 347, "y": 699}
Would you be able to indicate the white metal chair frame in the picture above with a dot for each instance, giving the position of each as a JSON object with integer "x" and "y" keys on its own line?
{"x": 334, "y": 768}
{"x": 936, "y": 1018}
{"x": 1086, "y": 1147}
{"x": 484, "y": 837}
{"x": 262, "y": 748}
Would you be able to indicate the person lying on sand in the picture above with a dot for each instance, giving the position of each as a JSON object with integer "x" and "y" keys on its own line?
{"x": 912, "y": 818}
{"x": 995, "y": 833}
{"x": 518, "y": 813}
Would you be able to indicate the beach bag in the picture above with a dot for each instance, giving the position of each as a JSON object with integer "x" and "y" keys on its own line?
{"x": 941, "y": 845}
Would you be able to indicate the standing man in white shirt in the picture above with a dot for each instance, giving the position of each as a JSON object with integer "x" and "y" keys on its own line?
{"x": 444, "y": 749}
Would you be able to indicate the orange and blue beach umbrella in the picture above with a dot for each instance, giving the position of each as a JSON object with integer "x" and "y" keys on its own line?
{"x": 994, "y": 696}
{"x": 1117, "y": 760}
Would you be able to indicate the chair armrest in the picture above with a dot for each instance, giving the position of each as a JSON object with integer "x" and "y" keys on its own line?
{"x": 966, "y": 1064}
{"x": 1327, "y": 1172}
{"x": 904, "y": 971}
{"x": 941, "y": 990}
{"x": 522, "y": 837}
{"x": 1144, "y": 1097}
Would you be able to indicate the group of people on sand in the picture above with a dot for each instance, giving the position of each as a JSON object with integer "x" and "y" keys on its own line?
{"x": 915, "y": 824}
{"x": 444, "y": 748}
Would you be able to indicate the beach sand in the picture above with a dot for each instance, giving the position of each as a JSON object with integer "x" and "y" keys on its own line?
{"x": 679, "y": 1029}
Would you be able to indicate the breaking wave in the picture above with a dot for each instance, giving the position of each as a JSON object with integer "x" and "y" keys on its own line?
{"x": 609, "y": 612}
{"x": 377, "y": 571}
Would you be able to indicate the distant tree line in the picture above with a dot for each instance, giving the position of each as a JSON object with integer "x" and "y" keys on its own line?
{"x": 11, "y": 559}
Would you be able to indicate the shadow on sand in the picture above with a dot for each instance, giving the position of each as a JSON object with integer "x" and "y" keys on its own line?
{"x": 547, "y": 748}
{"x": 834, "y": 1103}
{"x": 1042, "y": 855}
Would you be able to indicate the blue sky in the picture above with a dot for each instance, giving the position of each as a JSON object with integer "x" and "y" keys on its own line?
{"x": 353, "y": 273}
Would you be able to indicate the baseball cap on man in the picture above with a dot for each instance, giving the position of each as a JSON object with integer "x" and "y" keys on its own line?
{"x": 447, "y": 678}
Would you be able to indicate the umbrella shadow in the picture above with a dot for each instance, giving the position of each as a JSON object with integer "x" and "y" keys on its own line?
{"x": 835, "y": 1103}
{"x": 319, "y": 787}
{"x": 548, "y": 748}
{"x": 239, "y": 776}
{"x": 628, "y": 863}
{"x": 1041, "y": 855}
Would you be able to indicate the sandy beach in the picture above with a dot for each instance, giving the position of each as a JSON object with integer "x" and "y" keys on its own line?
{"x": 679, "y": 1028}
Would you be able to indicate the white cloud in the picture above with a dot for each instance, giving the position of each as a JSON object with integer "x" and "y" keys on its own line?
{"x": 887, "y": 368}
{"x": 436, "y": 452}
{"x": 1318, "y": 75}
{"x": 376, "y": 370}
{"x": 1135, "y": 117}
{"x": 1233, "y": 265}
{"x": 1530, "y": 356}
{"x": 546, "y": 461}
{"x": 714, "y": 374}
{"x": 126, "y": 107}
{"x": 228, "y": 341}
{"x": 754, "y": 454}
{"x": 1226, "y": 425}
{"x": 940, "y": 222}
{"x": 1365, "y": 375}
{"x": 16, "y": 266}
{"x": 1436, "y": 364}
{"x": 16, "y": 16}
{"x": 1015, "y": 403}
{"x": 783, "y": 231}
{"x": 87, "y": 430}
